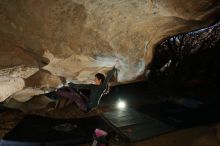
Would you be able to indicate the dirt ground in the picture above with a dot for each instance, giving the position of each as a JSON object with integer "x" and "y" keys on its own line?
{"x": 207, "y": 135}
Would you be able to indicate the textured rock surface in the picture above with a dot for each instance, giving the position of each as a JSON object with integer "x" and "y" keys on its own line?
{"x": 74, "y": 39}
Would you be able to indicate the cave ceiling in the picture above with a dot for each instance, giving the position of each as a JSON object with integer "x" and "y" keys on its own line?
{"x": 45, "y": 43}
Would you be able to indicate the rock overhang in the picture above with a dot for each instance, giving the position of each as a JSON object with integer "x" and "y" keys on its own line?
{"x": 80, "y": 38}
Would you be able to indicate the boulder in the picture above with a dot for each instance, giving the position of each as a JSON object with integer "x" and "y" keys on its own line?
{"x": 74, "y": 39}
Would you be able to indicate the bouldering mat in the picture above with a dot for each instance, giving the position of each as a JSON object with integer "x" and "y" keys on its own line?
{"x": 37, "y": 131}
{"x": 135, "y": 125}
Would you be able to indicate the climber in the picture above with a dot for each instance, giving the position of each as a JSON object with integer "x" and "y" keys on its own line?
{"x": 97, "y": 90}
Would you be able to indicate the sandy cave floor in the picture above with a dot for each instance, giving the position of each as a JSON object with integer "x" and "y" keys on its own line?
{"x": 207, "y": 135}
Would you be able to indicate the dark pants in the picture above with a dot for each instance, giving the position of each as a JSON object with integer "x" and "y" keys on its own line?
{"x": 71, "y": 94}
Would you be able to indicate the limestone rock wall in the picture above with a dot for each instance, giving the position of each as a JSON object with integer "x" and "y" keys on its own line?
{"x": 74, "y": 39}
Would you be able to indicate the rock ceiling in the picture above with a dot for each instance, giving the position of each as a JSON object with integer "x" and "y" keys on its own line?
{"x": 44, "y": 43}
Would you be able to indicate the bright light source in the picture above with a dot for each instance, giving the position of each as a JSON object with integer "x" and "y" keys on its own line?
{"x": 121, "y": 105}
